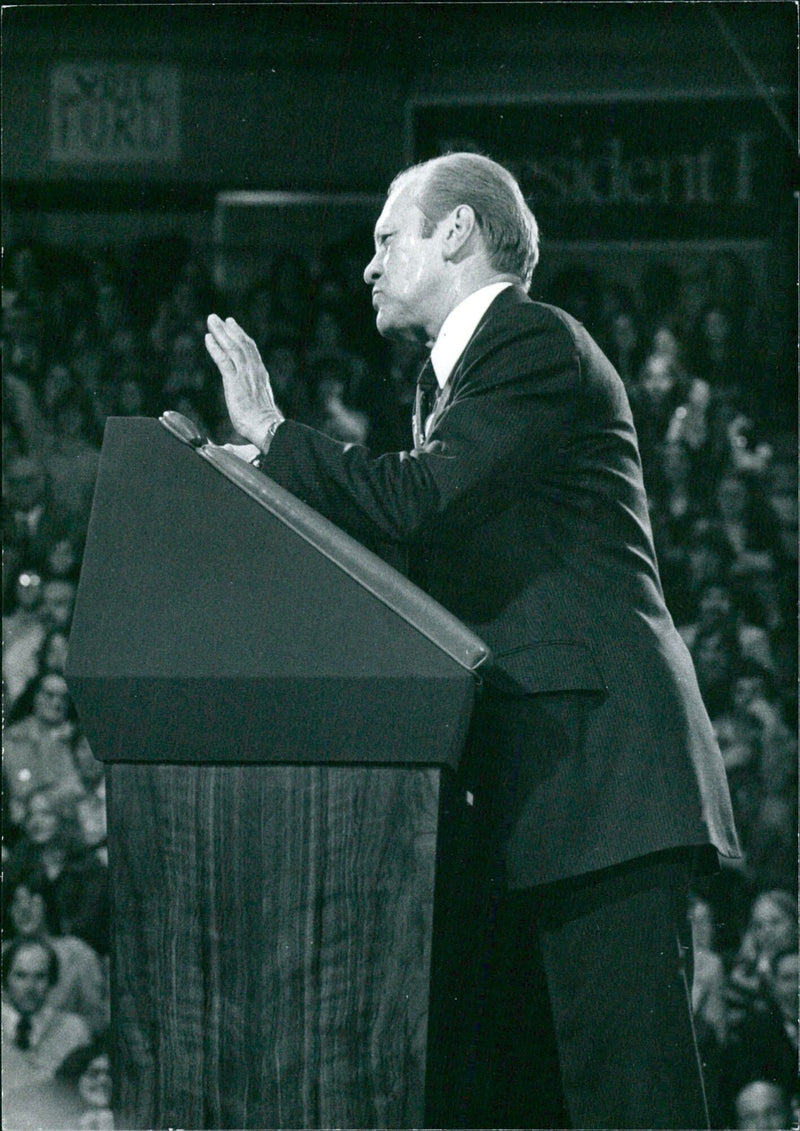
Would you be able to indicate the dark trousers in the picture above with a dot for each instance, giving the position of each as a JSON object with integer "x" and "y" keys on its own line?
{"x": 587, "y": 1016}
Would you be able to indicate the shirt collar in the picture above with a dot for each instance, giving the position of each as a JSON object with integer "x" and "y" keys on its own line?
{"x": 458, "y": 327}
{"x": 39, "y": 1021}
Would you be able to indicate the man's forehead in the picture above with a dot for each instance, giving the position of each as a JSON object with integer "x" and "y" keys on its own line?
{"x": 398, "y": 204}
{"x": 33, "y": 957}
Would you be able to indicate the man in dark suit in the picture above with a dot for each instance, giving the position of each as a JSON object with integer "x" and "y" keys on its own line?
{"x": 521, "y": 508}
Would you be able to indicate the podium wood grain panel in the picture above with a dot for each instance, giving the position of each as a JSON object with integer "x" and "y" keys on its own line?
{"x": 272, "y": 949}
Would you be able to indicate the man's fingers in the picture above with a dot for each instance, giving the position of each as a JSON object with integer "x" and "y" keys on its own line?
{"x": 244, "y": 342}
{"x": 219, "y": 355}
{"x": 234, "y": 342}
{"x": 217, "y": 327}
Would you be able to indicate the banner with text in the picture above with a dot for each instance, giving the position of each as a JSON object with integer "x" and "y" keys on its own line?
{"x": 693, "y": 168}
{"x": 114, "y": 113}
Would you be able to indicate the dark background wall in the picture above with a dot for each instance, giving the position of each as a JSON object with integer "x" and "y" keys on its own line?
{"x": 333, "y": 98}
{"x": 316, "y": 96}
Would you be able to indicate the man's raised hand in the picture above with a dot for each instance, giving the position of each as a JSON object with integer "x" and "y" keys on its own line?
{"x": 248, "y": 393}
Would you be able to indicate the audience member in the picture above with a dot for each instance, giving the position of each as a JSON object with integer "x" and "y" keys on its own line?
{"x": 53, "y": 848}
{"x": 20, "y": 610}
{"x": 86, "y": 1074}
{"x": 71, "y": 458}
{"x": 742, "y": 515}
{"x": 36, "y": 1035}
{"x": 38, "y": 748}
{"x": 82, "y": 985}
{"x": 763, "y": 1105}
{"x": 717, "y": 607}
{"x": 84, "y": 337}
{"x": 31, "y": 519}
{"x": 21, "y": 657}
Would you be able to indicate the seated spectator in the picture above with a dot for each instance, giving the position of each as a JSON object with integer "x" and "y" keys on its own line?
{"x": 82, "y": 985}
{"x": 747, "y": 454}
{"x": 619, "y": 332}
{"x": 90, "y": 364}
{"x": 743, "y": 517}
{"x": 52, "y": 847}
{"x": 36, "y": 1036}
{"x": 256, "y": 313}
{"x": 772, "y": 928}
{"x": 20, "y": 613}
{"x": 763, "y": 1105}
{"x": 717, "y": 606}
{"x": 38, "y": 748}
{"x": 781, "y": 488}
{"x": 90, "y": 801}
{"x": 785, "y": 991}
{"x": 21, "y": 657}
{"x": 59, "y": 383}
{"x": 736, "y": 745}
{"x": 755, "y": 705}
{"x": 661, "y": 387}
{"x": 71, "y": 458}
{"x": 111, "y": 315}
{"x": 716, "y": 351}
{"x": 328, "y": 342}
{"x": 688, "y": 566}
{"x": 51, "y": 656}
{"x": 86, "y": 1075}
{"x": 675, "y": 488}
{"x": 31, "y": 520}
{"x": 26, "y": 353}
{"x": 759, "y": 1046}
{"x": 181, "y": 312}
{"x": 688, "y": 425}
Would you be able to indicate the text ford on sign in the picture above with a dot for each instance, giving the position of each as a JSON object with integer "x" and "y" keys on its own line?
{"x": 114, "y": 113}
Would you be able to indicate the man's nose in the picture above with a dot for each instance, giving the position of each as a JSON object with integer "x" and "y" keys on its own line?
{"x": 372, "y": 270}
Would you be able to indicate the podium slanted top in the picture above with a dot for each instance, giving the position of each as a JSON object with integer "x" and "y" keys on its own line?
{"x": 219, "y": 618}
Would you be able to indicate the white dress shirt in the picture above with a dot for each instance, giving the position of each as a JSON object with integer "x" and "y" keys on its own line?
{"x": 458, "y": 327}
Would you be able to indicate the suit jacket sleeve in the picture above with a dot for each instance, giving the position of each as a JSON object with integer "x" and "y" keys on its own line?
{"x": 510, "y": 408}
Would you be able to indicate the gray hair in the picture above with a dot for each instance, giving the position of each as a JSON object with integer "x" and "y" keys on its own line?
{"x": 508, "y": 227}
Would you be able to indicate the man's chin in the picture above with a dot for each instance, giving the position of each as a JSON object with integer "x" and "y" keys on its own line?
{"x": 394, "y": 331}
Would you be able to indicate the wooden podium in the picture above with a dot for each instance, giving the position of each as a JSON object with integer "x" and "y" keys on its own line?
{"x": 293, "y": 866}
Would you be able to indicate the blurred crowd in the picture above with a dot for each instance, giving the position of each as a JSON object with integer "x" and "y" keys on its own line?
{"x": 89, "y": 335}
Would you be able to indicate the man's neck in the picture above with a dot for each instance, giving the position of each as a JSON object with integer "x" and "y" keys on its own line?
{"x": 464, "y": 284}
{"x": 459, "y": 326}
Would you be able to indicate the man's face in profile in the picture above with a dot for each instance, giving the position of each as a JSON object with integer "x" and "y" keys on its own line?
{"x": 406, "y": 271}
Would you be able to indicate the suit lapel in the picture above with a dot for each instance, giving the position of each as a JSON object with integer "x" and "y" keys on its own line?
{"x": 511, "y": 296}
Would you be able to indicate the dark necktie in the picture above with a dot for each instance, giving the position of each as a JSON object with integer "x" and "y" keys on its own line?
{"x": 22, "y": 1037}
{"x": 427, "y": 391}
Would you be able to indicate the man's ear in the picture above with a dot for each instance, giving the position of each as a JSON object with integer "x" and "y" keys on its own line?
{"x": 459, "y": 228}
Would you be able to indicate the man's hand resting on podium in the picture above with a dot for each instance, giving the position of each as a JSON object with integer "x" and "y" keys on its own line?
{"x": 248, "y": 393}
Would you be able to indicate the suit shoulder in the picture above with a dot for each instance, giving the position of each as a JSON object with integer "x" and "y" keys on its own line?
{"x": 558, "y": 319}
{"x": 517, "y": 326}
{"x": 513, "y": 313}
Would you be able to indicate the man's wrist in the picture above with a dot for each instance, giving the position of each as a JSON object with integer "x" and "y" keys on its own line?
{"x": 272, "y": 428}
